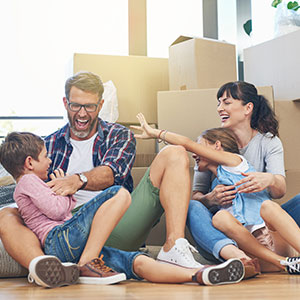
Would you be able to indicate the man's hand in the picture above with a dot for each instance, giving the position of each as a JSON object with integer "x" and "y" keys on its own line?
{"x": 67, "y": 185}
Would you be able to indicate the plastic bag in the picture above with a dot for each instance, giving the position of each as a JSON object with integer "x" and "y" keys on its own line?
{"x": 286, "y": 20}
{"x": 109, "y": 111}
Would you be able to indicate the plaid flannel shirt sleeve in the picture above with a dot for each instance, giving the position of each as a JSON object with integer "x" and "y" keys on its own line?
{"x": 120, "y": 155}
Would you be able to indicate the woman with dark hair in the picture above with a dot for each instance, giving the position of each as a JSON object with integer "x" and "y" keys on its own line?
{"x": 254, "y": 124}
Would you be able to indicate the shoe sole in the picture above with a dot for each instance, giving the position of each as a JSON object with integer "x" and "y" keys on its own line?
{"x": 232, "y": 271}
{"x": 102, "y": 280}
{"x": 48, "y": 271}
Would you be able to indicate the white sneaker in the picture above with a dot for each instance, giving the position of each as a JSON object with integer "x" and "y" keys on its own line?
{"x": 49, "y": 271}
{"x": 180, "y": 255}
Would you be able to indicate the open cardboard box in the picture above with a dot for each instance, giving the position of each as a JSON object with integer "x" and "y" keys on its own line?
{"x": 201, "y": 63}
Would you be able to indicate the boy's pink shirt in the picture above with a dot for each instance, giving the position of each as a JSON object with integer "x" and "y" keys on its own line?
{"x": 40, "y": 208}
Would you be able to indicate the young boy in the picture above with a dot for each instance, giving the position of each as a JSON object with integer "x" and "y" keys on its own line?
{"x": 80, "y": 239}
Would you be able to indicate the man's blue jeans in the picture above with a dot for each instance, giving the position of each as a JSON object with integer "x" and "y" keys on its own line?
{"x": 292, "y": 207}
{"x": 206, "y": 236}
{"x": 67, "y": 241}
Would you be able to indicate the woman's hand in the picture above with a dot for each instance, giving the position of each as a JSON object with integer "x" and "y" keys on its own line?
{"x": 147, "y": 131}
{"x": 254, "y": 182}
{"x": 221, "y": 195}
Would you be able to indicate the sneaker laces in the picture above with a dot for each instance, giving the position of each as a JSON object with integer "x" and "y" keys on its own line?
{"x": 292, "y": 264}
{"x": 30, "y": 278}
{"x": 98, "y": 263}
{"x": 186, "y": 250}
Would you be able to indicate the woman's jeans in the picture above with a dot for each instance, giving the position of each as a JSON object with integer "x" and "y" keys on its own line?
{"x": 209, "y": 240}
{"x": 292, "y": 207}
{"x": 67, "y": 241}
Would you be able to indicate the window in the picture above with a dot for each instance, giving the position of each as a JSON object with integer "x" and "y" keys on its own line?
{"x": 38, "y": 40}
{"x": 168, "y": 19}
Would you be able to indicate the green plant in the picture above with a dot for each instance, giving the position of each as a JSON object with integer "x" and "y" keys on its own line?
{"x": 293, "y": 5}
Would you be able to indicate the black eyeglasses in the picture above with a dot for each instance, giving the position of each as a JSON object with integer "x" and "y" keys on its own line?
{"x": 90, "y": 107}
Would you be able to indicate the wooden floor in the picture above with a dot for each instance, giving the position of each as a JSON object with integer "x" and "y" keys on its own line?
{"x": 266, "y": 286}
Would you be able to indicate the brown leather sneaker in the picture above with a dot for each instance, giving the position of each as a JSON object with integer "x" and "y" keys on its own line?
{"x": 230, "y": 271}
{"x": 252, "y": 267}
{"x": 96, "y": 272}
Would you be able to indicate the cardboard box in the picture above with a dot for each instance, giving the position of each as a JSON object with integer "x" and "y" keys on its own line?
{"x": 292, "y": 185}
{"x": 144, "y": 160}
{"x": 192, "y": 111}
{"x": 201, "y": 63}
{"x": 288, "y": 113}
{"x": 137, "y": 79}
{"x": 137, "y": 174}
{"x": 144, "y": 146}
{"x": 277, "y": 63}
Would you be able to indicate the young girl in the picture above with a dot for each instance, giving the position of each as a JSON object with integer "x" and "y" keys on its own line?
{"x": 80, "y": 239}
{"x": 249, "y": 217}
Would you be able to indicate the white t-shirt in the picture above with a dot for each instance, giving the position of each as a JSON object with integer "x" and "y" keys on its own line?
{"x": 81, "y": 160}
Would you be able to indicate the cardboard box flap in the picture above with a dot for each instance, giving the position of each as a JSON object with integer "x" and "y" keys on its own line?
{"x": 181, "y": 39}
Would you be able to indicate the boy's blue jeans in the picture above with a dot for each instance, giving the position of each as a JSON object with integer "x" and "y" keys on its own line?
{"x": 67, "y": 241}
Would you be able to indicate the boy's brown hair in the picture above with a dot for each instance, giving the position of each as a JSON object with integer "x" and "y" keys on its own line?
{"x": 16, "y": 147}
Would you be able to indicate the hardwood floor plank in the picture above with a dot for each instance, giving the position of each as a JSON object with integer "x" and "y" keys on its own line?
{"x": 266, "y": 286}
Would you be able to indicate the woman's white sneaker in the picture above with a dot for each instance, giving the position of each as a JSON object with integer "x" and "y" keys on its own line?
{"x": 180, "y": 254}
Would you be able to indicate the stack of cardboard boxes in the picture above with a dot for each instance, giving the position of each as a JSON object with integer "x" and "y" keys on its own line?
{"x": 277, "y": 62}
{"x": 177, "y": 94}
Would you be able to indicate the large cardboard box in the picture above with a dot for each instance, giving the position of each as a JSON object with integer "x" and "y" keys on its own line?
{"x": 137, "y": 79}
{"x": 192, "y": 111}
{"x": 292, "y": 185}
{"x": 288, "y": 113}
{"x": 277, "y": 63}
{"x": 200, "y": 63}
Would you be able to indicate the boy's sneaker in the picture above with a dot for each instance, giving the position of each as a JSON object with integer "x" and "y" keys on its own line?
{"x": 230, "y": 271}
{"x": 252, "y": 267}
{"x": 96, "y": 272}
{"x": 49, "y": 271}
{"x": 180, "y": 254}
{"x": 292, "y": 265}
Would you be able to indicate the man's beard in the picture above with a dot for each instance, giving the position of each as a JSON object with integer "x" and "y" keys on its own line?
{"x": 82, "y": 134}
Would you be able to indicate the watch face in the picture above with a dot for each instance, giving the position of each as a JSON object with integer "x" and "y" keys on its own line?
{"x": 83, "y": 178}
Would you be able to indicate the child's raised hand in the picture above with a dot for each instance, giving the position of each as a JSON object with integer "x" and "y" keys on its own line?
{"x": 147, "y": 132}
{"x": 58, "y": 173}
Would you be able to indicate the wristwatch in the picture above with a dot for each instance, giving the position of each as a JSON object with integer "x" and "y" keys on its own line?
{"x": 83, "y": 179}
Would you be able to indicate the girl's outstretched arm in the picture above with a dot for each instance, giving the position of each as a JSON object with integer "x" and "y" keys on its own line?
{"x": 219, "y": 157}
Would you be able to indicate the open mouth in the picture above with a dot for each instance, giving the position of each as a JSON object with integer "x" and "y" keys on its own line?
{"x": 81, "y": 124}
{"x": 224, "y": 118}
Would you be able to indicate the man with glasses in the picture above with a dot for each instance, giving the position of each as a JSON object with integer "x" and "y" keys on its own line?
{"x": 96, "y": 155}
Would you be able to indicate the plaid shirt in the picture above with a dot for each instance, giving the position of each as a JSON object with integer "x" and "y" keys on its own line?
{"x": 114, "y": 146}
